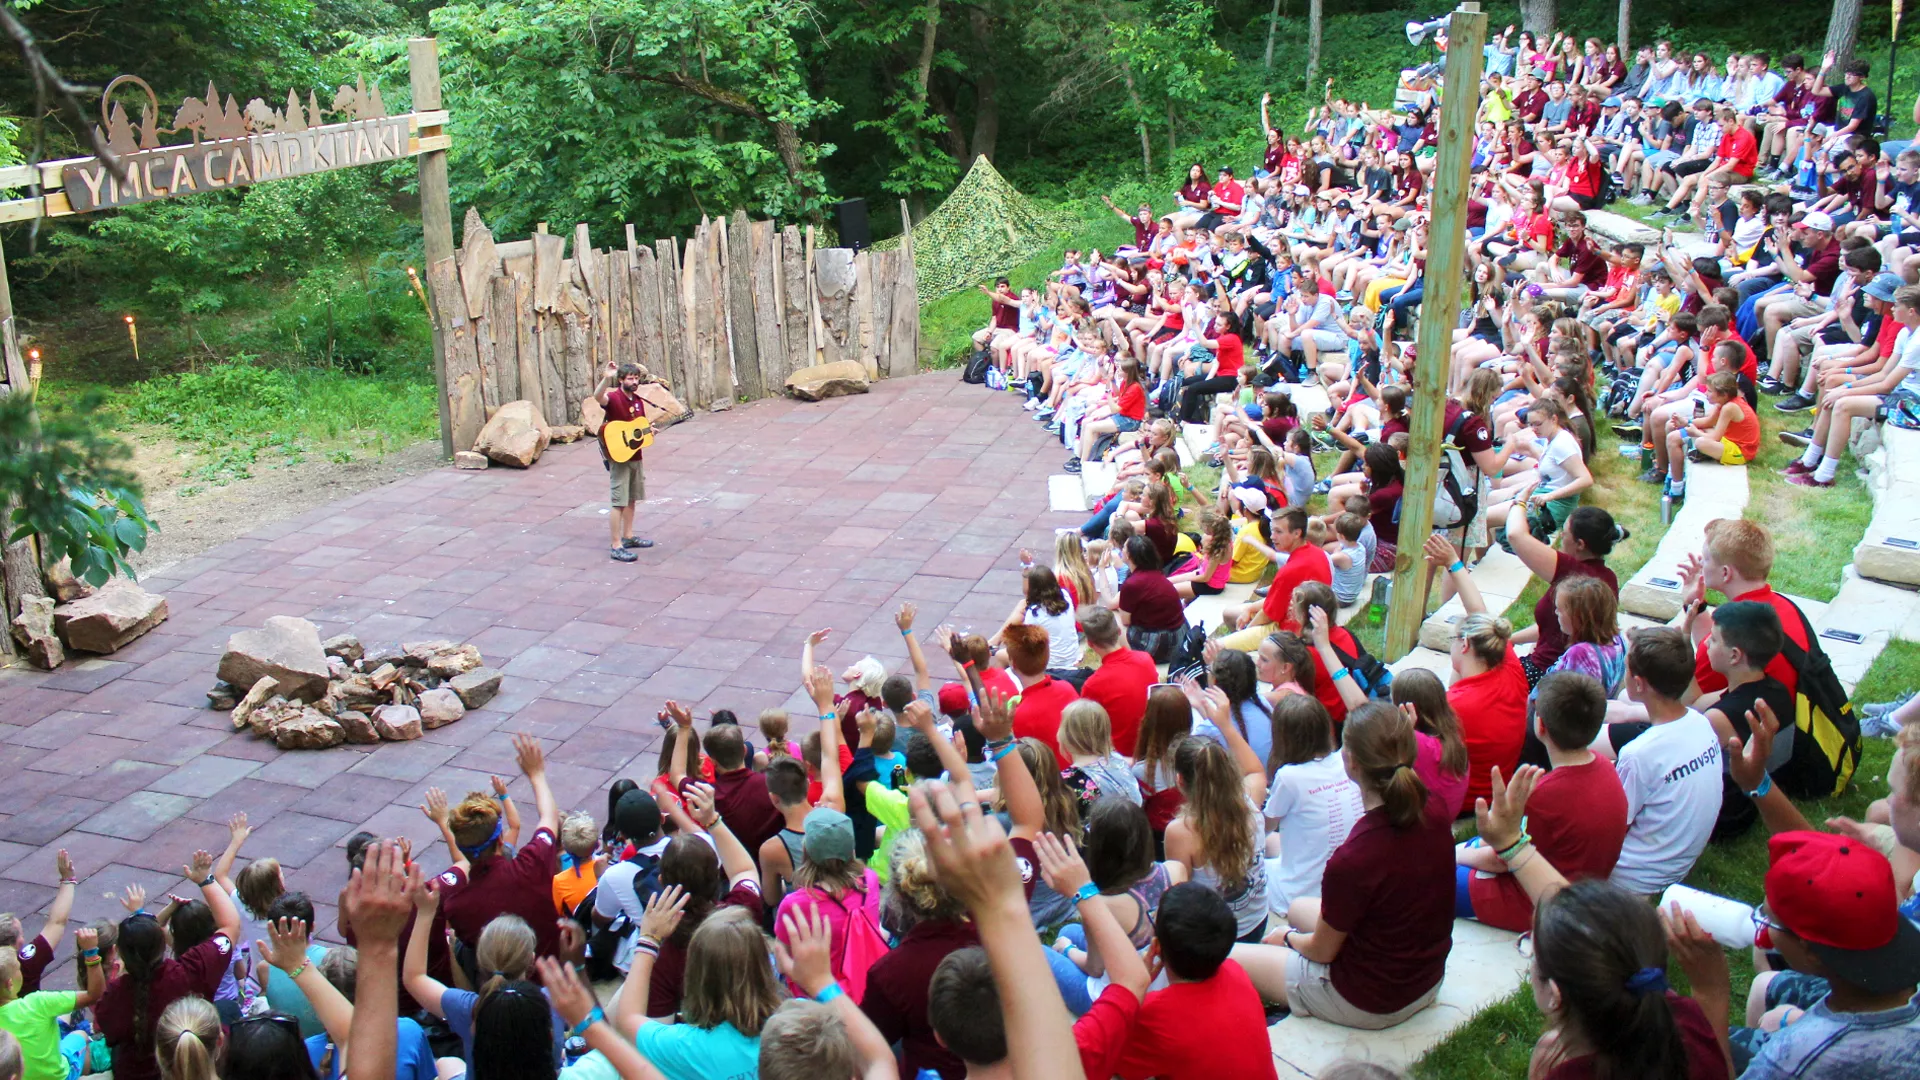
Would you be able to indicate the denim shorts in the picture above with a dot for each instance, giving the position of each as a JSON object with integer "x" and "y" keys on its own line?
{"x": 1125, "y": 423}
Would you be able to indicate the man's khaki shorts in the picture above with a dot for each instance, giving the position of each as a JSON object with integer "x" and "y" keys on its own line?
{"x": 1310, "y": 992}
{"x": 627, "y": 482}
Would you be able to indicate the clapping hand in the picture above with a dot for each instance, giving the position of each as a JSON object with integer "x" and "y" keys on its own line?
{"x": 806, "y": 957}
{"x": 1500, "y": 819}
{"x": 663, "y": 913}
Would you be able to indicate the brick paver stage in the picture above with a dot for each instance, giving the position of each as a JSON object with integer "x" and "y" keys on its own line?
{"x": 771, "y": 519}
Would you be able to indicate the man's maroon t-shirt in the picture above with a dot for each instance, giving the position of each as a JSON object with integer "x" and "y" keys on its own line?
{"x": 742, "y": 799}
{"x": 1387, "y": 890}
{"x": 621, "y": 407}
{"x": 195, "y": 973}
{"x": 1038, "y": 714}
{"x": 1589, "y": 266}
{"x": 522, "y": 885}
{"x": 34, "y": 957}
{"x": 669, "y": 978}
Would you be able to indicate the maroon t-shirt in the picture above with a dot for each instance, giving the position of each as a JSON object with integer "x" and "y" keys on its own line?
{"x": 1553, "y": 638}
{"x": 742, "y": 799}
{"x": 195, "y": 973}
{"x": 522, "y": 885}
{"x": 34, "y": 957}
{"x": 1588, "y": 264}
{"x": 670, "y": 968}
{"x": 1705, "y": 1059}
{"x": 1578, "y": 820}
{"x": 898, "y": 986}
{"x": 1389, "y": 891}
{"x": 1150, "y": 601}
{"x": 621, "y": 407}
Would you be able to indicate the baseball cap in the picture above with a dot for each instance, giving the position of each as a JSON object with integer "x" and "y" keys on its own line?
{"x": 1252, "y": 498}
{"x": 829, "y": 836}
{"x": 1837, "y": 895}
{"x": 1884, "y": 286}
{"x": 953, "y": 699}
{"x": 1343, "y": 204}
{"x": 1611, "y": 103}
{"x": 1818, "y": 221}
{"x": 1302, "y": 190}
{"x": 637, "y": 816}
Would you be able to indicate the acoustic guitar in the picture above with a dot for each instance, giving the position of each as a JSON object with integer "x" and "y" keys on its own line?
{"x": 622, "y": 439}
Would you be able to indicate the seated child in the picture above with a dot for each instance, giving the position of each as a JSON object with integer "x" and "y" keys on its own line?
{"x": 773, "y": 728}
{"x": 1746, "y": 637}
{"x": 1729, "y": 433}
{"x": 580, "y": 868}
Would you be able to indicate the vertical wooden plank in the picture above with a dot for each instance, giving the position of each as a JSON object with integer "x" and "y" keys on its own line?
{"x": 698, "y": 294}
{"x": 483, "y": 345}
{"x": 465, "y": 409}
{"x": 549, "y": 251}
{"x": 620, "y": 303}
{"x": 478, "y": 261}
{"x": 903, "y": 329}
{"x": 745, "y": 331}
{"x": 863, "y": 337}
{"x": 528, "y": 342}
{"x": 794, "y": 289}
{"x": 577, "y": 332}
{"x": 506, "y": 339}
{"x": 834, "y": 283}
{"x": 673, "y": 347}
{"x": 766, "y": 307}
{"x": 436, "y": 209}
{"x": 879, "y": 307}
{"x": 814, "y": 335}
{"x": 646, "y": 317}
{"x": 724, "y": 388}
{"x": 553, "y": 367}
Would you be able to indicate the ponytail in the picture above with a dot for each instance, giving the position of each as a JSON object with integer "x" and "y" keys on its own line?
{"x": 186, "y": 1039}
{"x": 1380, "y": 748}
{"x": 1605, "y": 950}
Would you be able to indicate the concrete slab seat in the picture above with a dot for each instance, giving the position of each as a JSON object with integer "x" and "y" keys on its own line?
{"x": 1484, "y": 966}
{"x": 1205, "y": 610}
{"x": 1877, "y": 612}
{"x": 1501, "y": 577}
{"x": 1620, "y": 229}
{"x": 1713, "y": 491}
{"x": 1890, "y": 550}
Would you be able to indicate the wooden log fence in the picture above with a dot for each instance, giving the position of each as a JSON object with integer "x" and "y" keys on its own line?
{"x": 724, "y": 316}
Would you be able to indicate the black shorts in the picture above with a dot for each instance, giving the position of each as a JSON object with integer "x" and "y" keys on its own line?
{"x": 1587, "y": 202}
{"x": 1165, "y": 333}
{"x": 1201, "y": 588}
{"x": 1265, "y": 309}
{"x": 1688, "y": 168}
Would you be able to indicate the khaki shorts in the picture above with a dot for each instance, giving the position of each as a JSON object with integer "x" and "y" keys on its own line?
{"x": 627, "y": 482}
{"x": 1310, "y": 992}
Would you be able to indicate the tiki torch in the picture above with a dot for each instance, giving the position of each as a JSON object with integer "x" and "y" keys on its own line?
{"x": 414, "y": 276}
{"x": 33, "y": 366}
{"x": 133, "y": 334}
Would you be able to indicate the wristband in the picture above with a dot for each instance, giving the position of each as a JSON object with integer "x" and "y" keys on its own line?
{"x": 1458, "y": 565}
{"x": 649, "y": 944}
{"x": 829, "y": 992}
{"x": 1085, "y": 893}
{"x": 207, "y": 882}
{"x": 591, "y": 1019}
{"x": 295, "y": 973}
{"x": 1511, "y": 849}
{"x": 966, "y": 663}
{"x": 1002, "y": 751}
{"x": 89, "y": 952}
{"x": 906, "y": 633}
{"x": 69, "y": 881}
{"x": 826, "y": 716}
{"x": 1342, "y": 673}
{"x": 1766, "y": 785}
{"x": 1287, "y": 938}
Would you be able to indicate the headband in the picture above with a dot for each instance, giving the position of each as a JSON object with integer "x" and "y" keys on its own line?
{"x": 474, "y": 851}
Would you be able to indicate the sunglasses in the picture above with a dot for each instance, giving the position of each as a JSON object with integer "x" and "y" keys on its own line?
{"x": 279, "y": 1019}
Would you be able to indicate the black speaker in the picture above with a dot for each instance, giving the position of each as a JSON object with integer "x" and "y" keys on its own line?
{"x": 850, "y": 220}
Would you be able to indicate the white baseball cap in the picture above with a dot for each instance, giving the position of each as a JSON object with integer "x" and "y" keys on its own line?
{"x": 1817, "y": 221}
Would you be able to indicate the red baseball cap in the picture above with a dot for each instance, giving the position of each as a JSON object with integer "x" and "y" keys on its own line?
{"x": 1838, "y": 896}
{"x": 953, "y": 699}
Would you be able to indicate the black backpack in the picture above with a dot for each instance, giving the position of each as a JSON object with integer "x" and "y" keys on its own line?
{"x": 1457, "y": 498}
{"x": 603, "y": 942}
{"x": 1372, "y": 676}
{"x": 1826, "y": 734}
{"x": 976, "y": 370}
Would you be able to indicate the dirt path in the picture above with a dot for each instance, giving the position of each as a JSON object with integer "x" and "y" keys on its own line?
{"x": 196, "y": 516}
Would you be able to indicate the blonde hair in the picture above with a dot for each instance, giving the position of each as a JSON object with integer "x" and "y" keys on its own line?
{"x": 884, "y": 732}
{"x": 259, "y": 886}
{"x": 1486, "y": 637}
{"x": 9, "y": 974}
{"x": 805, "y": 1040}
{"x": 472, "y": 819}
{"x": 185, "y": 1041}
{"x": 1085, "y": 728}
{"x": 729, "y": 980}
{"x": 503, "y": 954}
{"x": 1070, "y": 564}
{"x": 1062, "y": 812}
{"x": 579, "y": 834}
{"x": 774, "y": 725}
{"x": 911, "y": 882}
{"x": 868, "y": 674}
{"x": 1216, "y": 809}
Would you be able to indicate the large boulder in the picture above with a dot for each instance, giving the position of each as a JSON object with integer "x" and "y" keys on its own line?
{"x": 477, "y": 687}
{"x": 515, "y": 436}
{"x": 662, "y": 407}
{"x": 358, "y": 726}
{"x": 397, "y": 723}
{"x": 257, "y": 696}
{"x": 33, "y": 629}
{"x": 307, "y": 729}
{"x": 110, "y": 618}
{"x": 455, "y": 661}
{"x": 288, "y": 649}
{"x": 440, "y": 707}
{"x": 823, "y": 381}
{"x": 62, "y": 585}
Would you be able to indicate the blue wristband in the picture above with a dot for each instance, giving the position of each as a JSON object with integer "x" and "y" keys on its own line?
{"x": 1003, "y": 751}
{"x": 906, "y": 633}
{"x": 1766, "y": 785}
{"x": 832, "y": 990}
{"x": 1342, "y": 673}
{"x": 1458, "y": 565}
{"x": 593, "y": 1018}
{"x": 826, "y": 716}
{"x": 1085, "y": 893}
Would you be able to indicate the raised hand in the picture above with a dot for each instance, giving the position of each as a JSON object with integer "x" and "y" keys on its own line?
{"x": 436, "y": 806}
{"x": 573, "y": 940}
{"x": 571, "y": 998}
{"x": 820, "y": 686}
{"x": 663, "y": 913}
{"x": 86, "y": 938}
{"x": 200, "y": 868}
{"x": 530, "y": 756}
{"x": 378, "y": 899}
{"x": 238, "y": 830}
{"x": 1747, "y": 763}
{"x": 972, "y": 858}
{"x": 992, "y": 717}
{"x": 819, "y": 635}
{"x": 1500, "y": 819}
{"x": 700, "y": 801}
{"x": 499, "y": 787}
{"x": 1440, "y": 554}
{"x": 918, "y": 715}
{"x": 134, "y": 899}
{"x": 904, "y": 617}
{"x": 680, "y": 714}
{"x": 1060, "y": 864}
{"x": 806, "y": 957}
{"x": 63, "y": 865}
{"x": 286, "y": 947}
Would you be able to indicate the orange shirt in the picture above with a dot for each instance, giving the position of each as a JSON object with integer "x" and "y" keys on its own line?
{"x": 569, "y": 887}
{"x": 1743, "y": 429}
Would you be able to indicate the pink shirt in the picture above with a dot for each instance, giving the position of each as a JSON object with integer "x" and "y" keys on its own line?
{"x": 1450, "y": 787}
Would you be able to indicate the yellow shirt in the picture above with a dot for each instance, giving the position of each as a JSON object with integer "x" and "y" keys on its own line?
{"x": 1249, "y": 562}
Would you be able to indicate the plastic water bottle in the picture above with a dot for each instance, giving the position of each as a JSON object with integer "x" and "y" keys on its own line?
{"x": 243, "y": 974}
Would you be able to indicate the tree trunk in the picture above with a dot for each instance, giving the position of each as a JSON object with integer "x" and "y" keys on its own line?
{"x": 1626, "y": 22}
{"x": 1313, "y": 41}
{"x": 1133, "y": 97}
{"x": 986, "y": 115}
{"x": 1539, "y": 16}
{"x": 923, "y": 67}
{"x": 1843, "y": 29}
{"x": 1173, "y": 137}
{"x": 1273, "y": 24}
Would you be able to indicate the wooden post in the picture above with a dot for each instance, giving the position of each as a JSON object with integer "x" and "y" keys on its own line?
{"x": 436, "y": 208}
{"x": 1439, "y": 309}
{"x": 740, "y": 288}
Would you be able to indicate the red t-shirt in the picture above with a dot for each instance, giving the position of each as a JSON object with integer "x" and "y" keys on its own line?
{"x": 1231, "y": 196}
{"x": 1790, "y": 623}
{"x": 1203, "y": 1030}
{"x": 1131, "y": 401}
{"x": 1578, "y": 819}
{"x": 34, "y": 957}
{"x": 669, "y": 977}
{"x": 522, "y": 885}
{"x": 1323, "y": 685}
{"x": 1492, "y": 707}
{"x": 1304, "y": 563}
{"x": 1101, "y": 1032}
{"x": 846, "y": 762}
{"x": 195, "y": 973}
{"x": 1038, "y": 713}
{"x": 1705, "y": 1059}
{"x": 1538, "y": 227}
{"x": 1741, "y": 149}
{"x": 1230, "y": 355}
{"x": 1120, "y": 686}
{"x": 998, "y": 680}
{"x": 1388, "y": 890}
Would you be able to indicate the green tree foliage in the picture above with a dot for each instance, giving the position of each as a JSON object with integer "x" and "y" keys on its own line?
{"x": 66, "y": 482}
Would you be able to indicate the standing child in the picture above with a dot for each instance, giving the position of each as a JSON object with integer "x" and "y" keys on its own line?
{"x": 889, "y": 763}
{"x": 1729, "y": 433}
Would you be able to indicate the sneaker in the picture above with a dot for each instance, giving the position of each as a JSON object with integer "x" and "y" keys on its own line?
{"x": 1882, "y": 708}
{"x": 1801, "y": 439}
{"x": 1217, "y": 462}
{"x": 1653, "y": 476}
{"x": 1072, "y": 465}
{"x": 1042, "y": 416}
{"x": 1663, "y": 212}
{"x": 1030, "y": 404}
{"x": 1322, "y": 487}
{"x": 1808, "y": 479}
{"x": 1770, "y": 385}
{"x": 636, "y": 542}
{"x": 1685, "y": 218}
{"x": 621, "y": 554}
{"x": 1629, "y": 430}
{"x": 1262, "y": 590}
{"x": 1671, "y": 495}
{"x": 1794, "y": 403}
{"x": 1796, "y": 467}
{"x": 1343, "y": 296}
{"x": 1699, "y": 458}
{"x": 1642, "y": 199}
{"x": 1881, "y": 725}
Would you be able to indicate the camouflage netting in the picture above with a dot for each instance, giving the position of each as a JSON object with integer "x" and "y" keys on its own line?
{"x": 984, "y": 228}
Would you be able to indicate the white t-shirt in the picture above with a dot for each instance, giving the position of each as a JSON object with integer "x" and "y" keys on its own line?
{"x": 1671, "y": 774}
{"x": 1906, "y": 354}
{"x": 1316, "y": 804}
{"x": 1063, "y": 639}
{"x": 1554, "y": 475}
{"x": 616, "y": 894}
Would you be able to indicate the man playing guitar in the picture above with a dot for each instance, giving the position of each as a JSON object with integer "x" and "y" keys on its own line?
{"x": 627, "y": 482}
